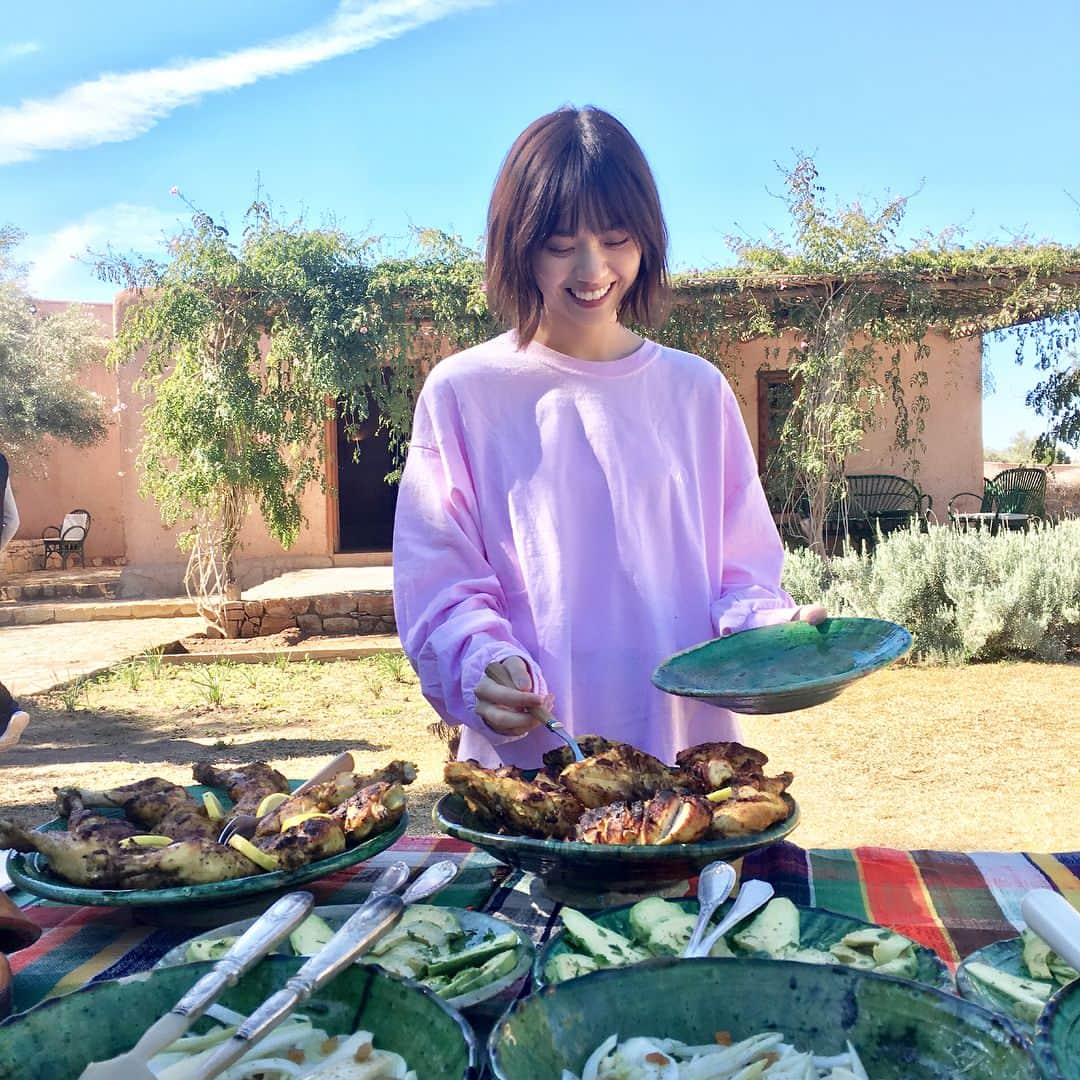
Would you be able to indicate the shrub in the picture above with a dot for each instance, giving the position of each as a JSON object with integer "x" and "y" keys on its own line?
{"x": 964, "y": 596}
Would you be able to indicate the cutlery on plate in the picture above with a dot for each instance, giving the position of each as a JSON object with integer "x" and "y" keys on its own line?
{"x": 271, "y": 927}
{"x": 753, "y": 894}
{"x": 1056, "y": 921}
{"x": 363, "y": 929}
{"x": 498, "y": 673}
{"x": 714, "y": 886}
{"x": 245, "y": 824}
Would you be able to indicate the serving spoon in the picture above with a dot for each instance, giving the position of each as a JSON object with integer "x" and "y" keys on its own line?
{"x": 715, "y": 883}
{"x": 498, "y": 673}
{"x": 752, "y": 895}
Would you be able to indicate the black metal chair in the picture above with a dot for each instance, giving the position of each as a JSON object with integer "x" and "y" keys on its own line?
{"x": 67, "y": 539}
{"x": 874, "y": 502}
{"x": 1014, "y": 498}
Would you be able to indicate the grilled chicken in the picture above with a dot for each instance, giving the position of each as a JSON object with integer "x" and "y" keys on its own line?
{"x": 373, "y": 809}
{"x": 556, "y": 760}
{"x": 159, "y": 806}
{"x": 667, "y": 818}
{"x": 322, "y": 798}
{"x": 619, "y": 774}
{"x": 246, "y": 785}
{"x": 504, "y": 800}
{"x": 749, "y": 810}
{"x": 710, "y": 766}
{"x": 312, "y": 839}
{"x": 108, "y": 865}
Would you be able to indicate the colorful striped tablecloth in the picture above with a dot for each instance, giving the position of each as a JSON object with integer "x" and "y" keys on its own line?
{"x": 954, "y": 903}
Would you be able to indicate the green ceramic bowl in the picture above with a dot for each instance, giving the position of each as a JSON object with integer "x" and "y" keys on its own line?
{"x": 1057, "y": 1035}
{"x": 569, "y": 868}
{"x": 818, "y": 929}
{"x": 476, "y": 925}
{"x": 785, "y": 667}
{"x": 59, "y": 1038}
{"x": 32, "y": 873}
{"x": 1007, "y": 956}
{"x": 902, "y": 1031}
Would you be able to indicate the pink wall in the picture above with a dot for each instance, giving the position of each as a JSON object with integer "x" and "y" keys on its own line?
{"x": 66, "y": 477}
{"x": 952, "y": 460}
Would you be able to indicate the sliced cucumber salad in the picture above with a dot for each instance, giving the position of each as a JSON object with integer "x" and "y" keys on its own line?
{"x": 1024, "y": 995}
{"x": 660, "y": 928}
{"x": 428, "y": 944}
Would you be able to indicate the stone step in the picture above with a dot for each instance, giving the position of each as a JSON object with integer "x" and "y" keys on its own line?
{"x": 94, "y": 611}
{"x": 28, "y": 594}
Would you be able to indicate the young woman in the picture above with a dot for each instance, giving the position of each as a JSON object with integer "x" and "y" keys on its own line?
{"x": 578, "y": 502}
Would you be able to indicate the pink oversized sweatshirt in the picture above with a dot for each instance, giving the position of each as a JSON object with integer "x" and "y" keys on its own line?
{"x": 591, "y": 517}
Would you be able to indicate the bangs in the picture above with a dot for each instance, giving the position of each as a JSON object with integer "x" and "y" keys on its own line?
{"x": 572, "y": 169}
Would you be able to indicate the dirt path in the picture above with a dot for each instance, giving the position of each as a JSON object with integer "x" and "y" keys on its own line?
{"x": 953, "y": 758}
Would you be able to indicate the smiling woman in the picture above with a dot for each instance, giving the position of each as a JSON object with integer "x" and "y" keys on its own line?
{"x": 578, "y": 503}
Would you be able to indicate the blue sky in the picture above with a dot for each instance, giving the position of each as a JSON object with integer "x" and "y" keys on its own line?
{"x": 381, "y": 114}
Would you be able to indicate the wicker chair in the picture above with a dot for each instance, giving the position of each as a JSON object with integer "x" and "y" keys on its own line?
{"x": 67, "y": 540}
{"x": 1014, "y": 497}
{"x": 878, "y": 502}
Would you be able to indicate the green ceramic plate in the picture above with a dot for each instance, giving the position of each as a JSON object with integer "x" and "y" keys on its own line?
{"x": 568, "y": 867}
{"x": 32, "y": 873}
{"x": 902, "y": 1030}
{"x": 1007, "y": 956}
{"x": 475, "y": 924}
{"x": 784, "y": 667}
{"x": 1057, "y": 1035}
{"x": 818, "y": 929}
{"x": 60, "y": 1037}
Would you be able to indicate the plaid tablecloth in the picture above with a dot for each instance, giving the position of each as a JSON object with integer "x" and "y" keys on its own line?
{"x": 952, "y": 902}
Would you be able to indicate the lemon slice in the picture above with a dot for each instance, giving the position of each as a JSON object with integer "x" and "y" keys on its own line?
{"x": 212, "y": 804}
{"x": 259, "y": 857}
{"x": 271, "y": 802}
{"x": 147, "y": 840}
{"x": 299, "y": 819}
{"x": 719, "y": 795}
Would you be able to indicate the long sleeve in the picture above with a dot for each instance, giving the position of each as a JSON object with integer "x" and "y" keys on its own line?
{"x": 450, "y": 606}
{"x": 753, "y": 555}
{"x": 11, "y": 517}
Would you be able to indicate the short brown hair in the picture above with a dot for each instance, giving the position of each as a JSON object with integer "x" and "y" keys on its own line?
{"x": 569, "y": 166}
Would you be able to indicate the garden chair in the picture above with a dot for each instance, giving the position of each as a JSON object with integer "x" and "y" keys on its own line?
{"x": 1013, "y": 498}
{"x": 67, "y": 540}
{"x": 878, "y": 502}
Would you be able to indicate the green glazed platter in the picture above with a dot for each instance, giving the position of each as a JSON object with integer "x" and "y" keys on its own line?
{"x": 477, "y": 926}
{"x": 591, "y": 873}
{"x": 32, "y": 873}
{"x": 59, "y": 1037}
{"x": 902, "y": 1030}
{"x": 819, "y": 929}
{"x": 785, "y": 667}
{"x": 1057, "y": 1035}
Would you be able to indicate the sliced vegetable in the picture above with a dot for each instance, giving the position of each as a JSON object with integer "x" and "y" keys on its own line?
{"x": 271, "y": 802}
{"x": 148, "y": 840}
{"x": 310, "y": 936}
{"x": 1028, "y": 996}
{"x": 260, "y": 858}
{"x": 212, "y": 805}
{"x": 478, "y": 954}
{"x": 606, "y": 947}
{"x": 775, "y": 930}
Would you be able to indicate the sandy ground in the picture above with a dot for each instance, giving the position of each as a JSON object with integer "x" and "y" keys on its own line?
{"x": 952, "y": 758}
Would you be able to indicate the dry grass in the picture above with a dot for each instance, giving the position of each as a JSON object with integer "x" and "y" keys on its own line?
{"x": 966, "y": 758}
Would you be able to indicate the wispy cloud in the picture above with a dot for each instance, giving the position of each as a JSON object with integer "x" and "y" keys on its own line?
{"x": 57, "y": 261}
{"x": 18, "y": 50}
{"x": 118, "y": 107}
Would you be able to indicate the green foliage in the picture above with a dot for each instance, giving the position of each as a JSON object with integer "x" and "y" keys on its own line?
{"x": 1026, "y": 449}
{"x": 41, "y": 358}
{"x": 964, "y": 596}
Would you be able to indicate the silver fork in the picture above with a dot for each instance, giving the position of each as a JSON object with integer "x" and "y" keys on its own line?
{"x": 498, "y": 673}
{"x": 364, "y": 928}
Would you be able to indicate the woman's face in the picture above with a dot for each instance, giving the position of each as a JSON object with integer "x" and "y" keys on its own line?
{"x": 583, "y": 278}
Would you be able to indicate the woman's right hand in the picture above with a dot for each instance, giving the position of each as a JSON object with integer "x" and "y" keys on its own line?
{"x": 506, "y": 710}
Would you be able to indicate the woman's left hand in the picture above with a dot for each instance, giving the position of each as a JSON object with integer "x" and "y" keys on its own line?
{"x": 810, "y": 613}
